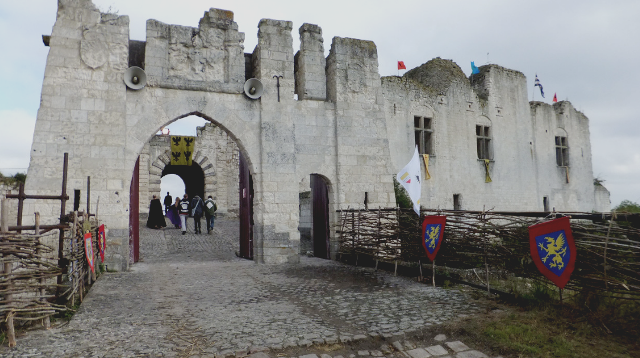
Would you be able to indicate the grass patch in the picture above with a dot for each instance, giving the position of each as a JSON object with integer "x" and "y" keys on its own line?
{"x": 543, "y": 332}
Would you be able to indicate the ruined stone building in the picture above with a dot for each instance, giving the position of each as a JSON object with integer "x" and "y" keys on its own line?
{"x": 333, "y": 128}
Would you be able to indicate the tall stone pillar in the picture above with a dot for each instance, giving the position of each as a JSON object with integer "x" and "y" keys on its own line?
{"x": 311, "y": 79}
{"x": 277, "y": 196}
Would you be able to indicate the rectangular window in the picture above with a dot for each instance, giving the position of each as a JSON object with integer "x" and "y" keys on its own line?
{"x": 545, "y": 203}
{"x": 483, "y": 142}
{"x": 423, "y": 134}
{"x": 76, "y": 199}
{"x": 562, "y": 152}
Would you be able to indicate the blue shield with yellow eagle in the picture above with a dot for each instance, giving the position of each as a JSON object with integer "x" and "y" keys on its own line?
{"x": 432, "y": 233}
{"x": 553, "y": 249}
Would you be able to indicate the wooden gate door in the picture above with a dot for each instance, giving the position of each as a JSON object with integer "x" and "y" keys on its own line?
{"x": 134, "y": 215}
{"x": 320, "y": 216}
{"x": 246, "y": 210}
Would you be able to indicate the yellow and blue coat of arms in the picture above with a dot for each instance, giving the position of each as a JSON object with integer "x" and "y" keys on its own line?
{"x": 553, "y": 249}
{"x": 432, "y": 233}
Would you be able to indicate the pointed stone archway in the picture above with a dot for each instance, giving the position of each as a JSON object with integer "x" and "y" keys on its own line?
{"x": 193, "y": 176}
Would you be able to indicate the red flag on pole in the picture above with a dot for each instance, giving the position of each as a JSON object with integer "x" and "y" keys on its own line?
{"x": 555, "y": 98}
{"x": 401, "y": 65}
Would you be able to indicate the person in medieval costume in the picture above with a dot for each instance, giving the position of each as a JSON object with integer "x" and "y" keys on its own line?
{"x": 197, "y": 210}
{"x": 184, "y": 212}
{"x": 168, "y": 201}
{"x": 156, "y": 217}
{"x": 209, "y": 212}
{"x": 173, "y": 214}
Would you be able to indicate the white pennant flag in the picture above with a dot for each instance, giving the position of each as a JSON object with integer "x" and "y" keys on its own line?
{"x": 409, "y": 177}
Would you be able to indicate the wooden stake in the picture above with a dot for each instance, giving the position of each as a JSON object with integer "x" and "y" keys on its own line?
{"x": 376, "y": 265}
{"x": 395, "y": 272}
{"x": 46, "y": 322}
{"x": 4, "y": 215}
{"x": 484, "y": 240}
{"x": 63, "y": 206}
{"x": 433, "y": 272}
{"x": 606, "y": 244}
{"x": 74, "y": 274}
{"x": 8, "y": 267}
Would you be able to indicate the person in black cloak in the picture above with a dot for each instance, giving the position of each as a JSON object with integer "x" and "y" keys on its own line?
{"x": 156, "y": 217}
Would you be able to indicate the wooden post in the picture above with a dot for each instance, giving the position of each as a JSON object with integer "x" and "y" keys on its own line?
{"x": 484, "y": 241}
{"x": 74, "y": 271}
{"x": 88, "y": 194}
{"x": 606, "y": 244}
{"x": 46, "y": 322}
{"x": 395, "y": 272}
{"x": 21, "y": 197}
{"x": 4, "y": 215}
{"x": 93, "y": 273}
{"x": 8, "y": 267}
{"x": 561, "y": 304}
{"x": 433, "y": 272}
{"x": 63, "y": 208}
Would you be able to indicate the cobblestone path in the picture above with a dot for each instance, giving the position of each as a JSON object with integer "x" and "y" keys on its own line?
{"x": 191, "y": 292}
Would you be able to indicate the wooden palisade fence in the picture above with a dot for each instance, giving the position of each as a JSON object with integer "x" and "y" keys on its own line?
{"x": 608, "y": 253}
{"x": 43, "y": 266}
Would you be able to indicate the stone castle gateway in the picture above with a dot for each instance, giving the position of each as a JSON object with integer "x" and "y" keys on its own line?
{"x": 347, "y": 127}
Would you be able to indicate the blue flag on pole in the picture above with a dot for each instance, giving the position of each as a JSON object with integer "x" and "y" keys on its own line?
{"x": 539, "y": 85}
{"x": 474, "y": 69}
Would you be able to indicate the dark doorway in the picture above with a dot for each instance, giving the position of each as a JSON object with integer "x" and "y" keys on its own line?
{"x": 320, "y": 216}
{"x": 134, "y": 215}
{"x": 192, "y": 176}
{"x": 457, "y": 205}
{"x": 246, "y": 210}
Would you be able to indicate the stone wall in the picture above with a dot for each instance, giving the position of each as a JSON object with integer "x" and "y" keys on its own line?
{"x": 356, "y": 132}
{"x": 602, "y": 199}
{"x": 83, "y": 113}
{"x": 12, "y": 204}
{"x": 522, "y": 166}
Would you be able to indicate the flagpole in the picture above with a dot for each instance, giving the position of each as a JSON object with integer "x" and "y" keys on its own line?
{"x": 533, "y": 99}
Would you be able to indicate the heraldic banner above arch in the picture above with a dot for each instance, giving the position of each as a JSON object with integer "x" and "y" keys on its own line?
{"x": 553, "y": 249}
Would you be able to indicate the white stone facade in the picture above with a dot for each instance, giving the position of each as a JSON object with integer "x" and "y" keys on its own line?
{"x": 348, "y": 125}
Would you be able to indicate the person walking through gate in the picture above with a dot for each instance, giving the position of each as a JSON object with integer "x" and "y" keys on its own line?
{"x": 184, "y": 212}
{"x": 173, "y": 213}
{"x": 168, "y": 200}
{"x": 209, "y": 212}
{"x": 197, "y": 209}
{"x": 156, "y": 219}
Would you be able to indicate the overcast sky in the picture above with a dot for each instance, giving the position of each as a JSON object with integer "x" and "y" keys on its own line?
{"x": 585, "y": 51}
